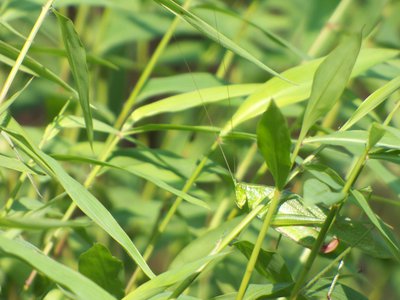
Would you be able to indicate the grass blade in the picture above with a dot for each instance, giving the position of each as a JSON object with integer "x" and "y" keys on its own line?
{"x": 372, "y": 102}
{"x": 80, "y": 195}
{"x": 274, "y": 143}
{"x": 76, "y": 55}
{"x": 33, "y": 66}
{"x": 214, "y": 35}
{"x": 330, "y": 81}
{"x": 74, "y": 281}
{"x": 197, "y": 98}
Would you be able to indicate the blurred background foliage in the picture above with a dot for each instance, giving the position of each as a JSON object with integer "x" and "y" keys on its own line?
{"x": 119, "y": 37}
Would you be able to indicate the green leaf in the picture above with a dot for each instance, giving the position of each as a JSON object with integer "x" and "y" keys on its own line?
{"x": 341, "y": 292}
{"x": 197, "y": 98}
{"x": 76, "y": 55}
{"x": 354, "y": 140}
{"x": 285, "y": 94}
{"x": 32, "y": 66}
{"x": 372, "y": 101}
{"x": 383, "y": 229}
{"x": 36, "y": 223}
{"x": 214, "y": 35}
{"x": 79, "y": 194}
{"x": 101, "y": 267}
{"x": 140, "y": 173}
{"x": 15, "y": 164}
{"x": 168, "y": 278}
{"x": 269, "y": 264}
{"x": 326, "y": 175}
{"x": 274, "y": 142}
{"x": 180, "y": 83}
{"x": 316, "y": 192}
{"x": 82, "y": 287}
{"x": 330, "y": 81}
{"x": 375, "y": 134}
{"x": 358, "y": 234}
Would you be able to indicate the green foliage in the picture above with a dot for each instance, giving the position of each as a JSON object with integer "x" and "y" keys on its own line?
{"x": 273, "y": 139}
{"x": 101, "y": 267}
{"x": 205, "y": 144}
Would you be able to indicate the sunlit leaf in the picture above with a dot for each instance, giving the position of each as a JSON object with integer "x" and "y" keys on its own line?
{"x": 373, "y": 100}
{"x": 330, "y": 81}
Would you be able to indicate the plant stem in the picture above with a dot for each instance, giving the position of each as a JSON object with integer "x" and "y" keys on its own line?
{"x": 112, "y": 141}
{"x": 257, "y": 247}
{"x": 24, "y": 50}
{"x": 322, "y": 40}
{"x": 353, "y": 173}
{"x": 219, "y": 247}
{"x": 160, "y": 228}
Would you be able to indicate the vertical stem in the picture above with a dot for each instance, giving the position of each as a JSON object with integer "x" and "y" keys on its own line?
{"x": 353, "y": 173}
{"x": 24, "y": 50}
{"x": 325, "y": 34}
{"x": 257, "y": 247}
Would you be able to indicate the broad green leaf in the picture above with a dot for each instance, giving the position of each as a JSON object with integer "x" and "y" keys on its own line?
{"x": 354, "y": 140}
{"x": 36, "y": 223}
{"x": 169, "y": 278}
{"x": 341, "y": 292}
{"x": 372, "y": 101}
{"x": 181, "y": 83}
{"x": 79, "y": 122}
{"x": 285, "y": 94}
{"x": 76, "y": 55}
{"x": 330, "y": 81}
{"x": 101, "y": 267}
{"x": 35, "y": 67}
{"x": 325, "y": 174}
{"x": 15, "y": 164}
{"x": 392, "y": 156}
{"x": 315, "y": 192}
{"x": 302, "y": 234}
{"x": 80, "y": 195}
{"x": 82, "y": 287}
{"x": 375, "y": 134}
{"x": 383, "y": 229}
{"x": 214, "y": 35}
{"x": 274, "y": 142}
{"x": 193, "y": 99}
{"x": 269, "y": 264}
{"x": 359, "y": 234}
{"x": 134, "y": 170}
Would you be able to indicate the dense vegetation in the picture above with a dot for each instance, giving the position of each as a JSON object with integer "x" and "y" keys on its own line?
{"x": 199, "y": 149}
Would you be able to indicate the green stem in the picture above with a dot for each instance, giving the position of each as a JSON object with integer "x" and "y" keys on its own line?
{"x": 353, "y": 173}
{"x": 219, "y": 247}
{"x": 323, "y": 38}
{"x": 257, "y": 247}
{"x": 24, "y": 50}
{"x": 160, "y": 228}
